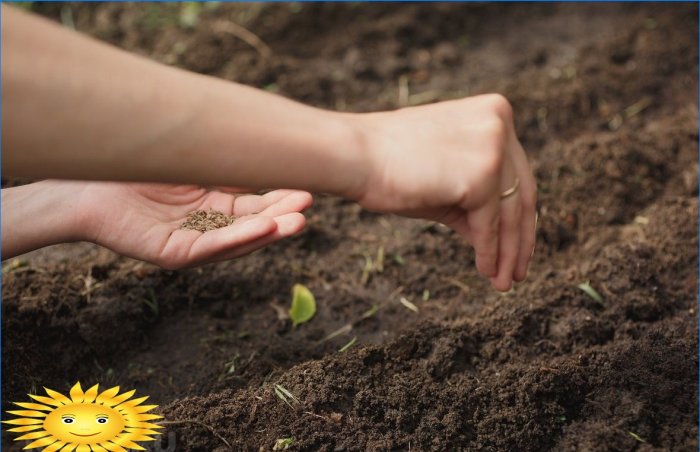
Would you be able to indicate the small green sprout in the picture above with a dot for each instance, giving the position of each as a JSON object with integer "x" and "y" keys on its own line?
{"x": 637, "y": 437}
{"x": 591, "y": 292}
{"x": 426, "y": 295}
{"x": 398, "y": 259}
{"x": 283, "y": 443}
{"x": 348, "y": 345}
{"x": 284, "y": 395}
{"x": 152, "y": 302}
{"x": 371, "y": 311}
{"x": 379, "y": 264}
{"x": 231, "y": 365}
{"x": 303, "y": 305}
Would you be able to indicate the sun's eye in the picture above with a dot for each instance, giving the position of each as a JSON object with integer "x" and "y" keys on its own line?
{"x": 68, "y": 420}
{"x": 102, "y": 420}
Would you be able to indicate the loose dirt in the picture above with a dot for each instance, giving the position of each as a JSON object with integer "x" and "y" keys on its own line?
{"x": 605, "y": 98}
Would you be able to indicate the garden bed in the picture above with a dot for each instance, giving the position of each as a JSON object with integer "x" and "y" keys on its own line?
{"x": 605, "y": 98}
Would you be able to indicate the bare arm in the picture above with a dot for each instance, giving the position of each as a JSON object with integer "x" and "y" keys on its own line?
{"x": 75, "y": 108}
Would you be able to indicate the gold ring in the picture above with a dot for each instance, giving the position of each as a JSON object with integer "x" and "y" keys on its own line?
{"x": 511, "y": 190}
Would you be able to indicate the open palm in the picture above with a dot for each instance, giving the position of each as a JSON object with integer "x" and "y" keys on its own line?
{"x": 143, "y": 221}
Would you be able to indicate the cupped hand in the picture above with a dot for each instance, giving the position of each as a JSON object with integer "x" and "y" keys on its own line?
{"x": 143, "y": 221}
{"x": 452, "y": 162}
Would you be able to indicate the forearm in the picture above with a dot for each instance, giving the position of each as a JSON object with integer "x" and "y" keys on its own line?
{"x": 76, "y": 108}
{"x": 38, "y": 215}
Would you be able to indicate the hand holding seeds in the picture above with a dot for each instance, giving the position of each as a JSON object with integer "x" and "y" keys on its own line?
{"x": 458, "y": 163}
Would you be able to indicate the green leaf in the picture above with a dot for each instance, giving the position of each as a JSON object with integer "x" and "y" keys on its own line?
{"x": 591, "y": 292}
{"x": 283, "y": 443}
{"x": 303, "y": 305}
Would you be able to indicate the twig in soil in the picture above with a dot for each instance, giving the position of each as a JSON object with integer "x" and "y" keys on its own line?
{"x": 201, "y": 424}
{"x": 244, "y": 35}
{"x": 457, "y": 283}
{"x": 408, "y": 305}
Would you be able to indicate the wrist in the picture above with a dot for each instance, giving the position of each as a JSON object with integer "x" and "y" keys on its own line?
{"x": 38, "y": 215}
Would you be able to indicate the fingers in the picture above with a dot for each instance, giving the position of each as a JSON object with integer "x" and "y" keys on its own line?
{"x": 274, "y": 203}
{"x": 287, "y": 226}
{"x": 188, "y": 247}
{"x": 528, "y": 199}
{"x": 509, "y": 243}
{"x": 483, "y": 226}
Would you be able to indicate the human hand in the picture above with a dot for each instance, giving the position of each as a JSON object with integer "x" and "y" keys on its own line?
{"x": 451, "y": 162}
{"x": 143, "y": 220}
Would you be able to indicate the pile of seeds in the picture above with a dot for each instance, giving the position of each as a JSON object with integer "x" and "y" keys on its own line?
{"x": 203, "y": 220}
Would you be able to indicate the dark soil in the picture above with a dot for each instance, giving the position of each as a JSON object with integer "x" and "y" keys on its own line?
{"x": 605, "y": 97}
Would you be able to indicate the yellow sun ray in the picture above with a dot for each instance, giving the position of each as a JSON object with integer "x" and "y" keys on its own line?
{"x": 45, "y": 400}
{"x": 33, "y": 406}
{"x": 54, "y": 447}
{"x": 143, "y": 408}
{"x": 133, "y": 402}
{"x": 57, "y": 396}
{"x": 43, "y": 442}
{"x": 26, "y": 428}
{"x": 113, "y": 447}
{"x": 116, "y": 400}
{"x": 126, "y": 442}
{"x": 142, "y": 425}
{"x": 23, "y": 421}
{"x": 88, "y": 421}
{"x": 142, "y": 431}
{"x": 76, "y": 393}
{"x": 91, "y": 394}
{"x": 28, "y": 413}
{"x": 107, "y": 394}
{"x": 33, "y": 435}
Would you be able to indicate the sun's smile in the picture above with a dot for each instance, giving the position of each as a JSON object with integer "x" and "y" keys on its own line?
{"x": 109, "y": 421}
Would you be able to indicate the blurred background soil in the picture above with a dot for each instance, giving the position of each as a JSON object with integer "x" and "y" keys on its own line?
{"x": 605, "y": 98}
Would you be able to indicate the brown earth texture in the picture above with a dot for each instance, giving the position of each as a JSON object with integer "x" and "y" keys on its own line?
{"x": 606, "y": 104}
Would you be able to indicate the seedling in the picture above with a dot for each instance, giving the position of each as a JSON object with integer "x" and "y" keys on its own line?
{"x": 348, "y": 345}
{"x": 303, "y": 305}
{"x": 370, "y": 312}
{"x": 591, "y": 292}
{"x": 284, "y": 395}
{"x": 637, "y": 437}
{"x": 152, "y": 302}
{"x": 426, "y": 295}
{"x": 231, "y": 365}
{"x": 283, "y": 443}
{"x": 398, "y": 259}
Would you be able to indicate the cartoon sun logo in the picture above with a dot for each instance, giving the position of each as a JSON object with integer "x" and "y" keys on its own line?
{"x": 85, "y": 422}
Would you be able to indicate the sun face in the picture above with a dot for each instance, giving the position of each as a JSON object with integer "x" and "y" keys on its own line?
{"x": 85, "y": 422}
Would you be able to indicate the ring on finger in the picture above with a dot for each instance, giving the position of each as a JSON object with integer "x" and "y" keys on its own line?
{"x": 512, "y": 190}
